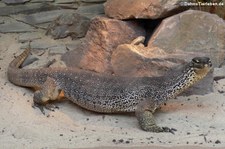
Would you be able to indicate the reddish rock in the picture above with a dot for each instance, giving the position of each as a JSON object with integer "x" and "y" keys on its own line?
{"x": 137, "y": 60}
{"x": 141, "y": 9}
{"x": 103, "y": 36}
{"x": 192, "y": 32}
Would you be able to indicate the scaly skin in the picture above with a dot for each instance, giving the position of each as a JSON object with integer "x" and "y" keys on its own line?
{"x": 108, "y": 94}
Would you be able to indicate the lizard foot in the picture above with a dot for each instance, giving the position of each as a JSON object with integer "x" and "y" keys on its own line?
{"x": 157, "y": 129}
{"x": 48, "y": 92}
{"x": 147, "y": 122}
{"x": 167, "y": 129}
{"x": 42, "y": 107}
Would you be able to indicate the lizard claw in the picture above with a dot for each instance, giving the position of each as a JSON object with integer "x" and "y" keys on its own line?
{"x": 42, "y": 108}
{"x": 167, "y": 129}
{"x": 51, "y": 107}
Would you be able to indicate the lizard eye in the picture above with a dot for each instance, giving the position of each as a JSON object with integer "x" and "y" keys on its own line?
{"x": 195, "y": 60}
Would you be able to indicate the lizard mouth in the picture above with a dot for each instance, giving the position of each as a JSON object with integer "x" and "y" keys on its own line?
{"x": 210, "y": 64}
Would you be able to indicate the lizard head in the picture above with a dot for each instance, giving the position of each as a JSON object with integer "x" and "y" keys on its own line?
{"x": 201, "y": 65}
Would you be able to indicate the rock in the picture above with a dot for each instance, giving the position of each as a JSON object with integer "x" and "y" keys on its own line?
{"x": 69, "y": 24}
{"x": 52, "y": 61}
{"x": 43, "y": 25}
{"x": 67, "y": 5}
{"x": 64, "y": 1}
{"x": 141, "y": 9}
{"x": 25, "y": 37}
{"x": 41, "y": 1}
{"x": 74, "y": 44}
{"x": 30, "y": 59}
{"x": 103, "y": 36}
{"x": 57, "y": 63}
{"x": 61, "y": 49}
{"x": 40, "y": 44}
{"x": 42, "y": 17}
{"x": 74, "y": 54}
{"x": 2, "y": 4}
{"x": 138, "y": 61}
{"x": 219, "y": 73}
{"x": 15, "y": 1}
{"x": 2, "y": 22}
{"x": 15, "y": 27}
{"x": 25, "y": 9}
{"x": 95, "y": 9}
{"x": 74, "y": 57}
{"x": 93, "y": 1}
{"x": 204, "y": 36}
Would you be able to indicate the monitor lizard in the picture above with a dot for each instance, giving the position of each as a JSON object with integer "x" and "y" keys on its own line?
{"x": 107, "y": 93}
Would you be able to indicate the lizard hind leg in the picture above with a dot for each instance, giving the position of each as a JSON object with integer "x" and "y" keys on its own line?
{"x": 144, "y": 114}
{"x": 49, "y": 91}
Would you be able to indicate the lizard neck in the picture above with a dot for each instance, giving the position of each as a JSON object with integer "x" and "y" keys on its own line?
{"x": 183, "y": 81}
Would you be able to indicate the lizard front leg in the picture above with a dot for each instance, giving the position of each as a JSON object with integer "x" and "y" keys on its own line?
{"x": 48, "y": 91}
{"x": 144, "y": 114}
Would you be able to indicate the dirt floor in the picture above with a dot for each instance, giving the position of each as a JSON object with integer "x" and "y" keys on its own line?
{"x": 199, "y": 120}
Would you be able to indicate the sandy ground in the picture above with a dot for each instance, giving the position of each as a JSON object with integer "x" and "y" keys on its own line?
{"x": 199, "y": 120}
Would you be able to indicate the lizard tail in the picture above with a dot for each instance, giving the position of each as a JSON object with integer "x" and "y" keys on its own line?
{"x": 14, "y": 73}
{"x": 19, "y": 59}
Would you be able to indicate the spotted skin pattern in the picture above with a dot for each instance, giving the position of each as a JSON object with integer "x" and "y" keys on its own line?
{"x": 108, "y": 94}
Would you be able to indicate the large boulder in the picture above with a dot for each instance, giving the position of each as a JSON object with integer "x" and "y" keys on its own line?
{"x": 103, "y": 36}
{"x": 141, "y": 9}
{"x": 192, "y": 32}
{"x": 137, "y": 60}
